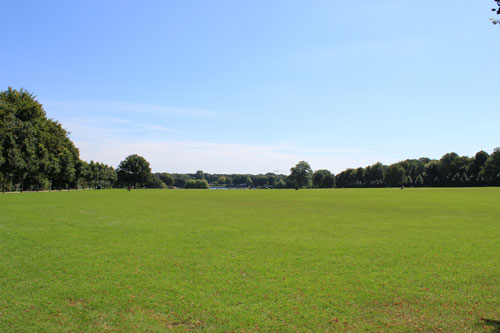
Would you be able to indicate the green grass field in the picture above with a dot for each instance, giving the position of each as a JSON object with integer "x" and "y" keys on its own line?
{"x": 318, "y": 260}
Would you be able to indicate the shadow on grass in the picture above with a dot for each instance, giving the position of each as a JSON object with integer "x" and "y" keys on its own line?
{"x": 494, "y": 323}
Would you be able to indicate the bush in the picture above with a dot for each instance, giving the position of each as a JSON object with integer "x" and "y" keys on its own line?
{"x": 197, "y": 183}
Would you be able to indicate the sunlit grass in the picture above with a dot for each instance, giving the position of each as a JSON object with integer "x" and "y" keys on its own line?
{"x": 367, "y": 259}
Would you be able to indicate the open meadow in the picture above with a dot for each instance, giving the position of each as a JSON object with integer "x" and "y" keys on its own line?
{"x": 318, "y": 260}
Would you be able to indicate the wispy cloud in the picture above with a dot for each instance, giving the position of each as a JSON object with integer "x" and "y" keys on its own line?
{"x": 159, "y": 128}
{"x": 111, "y": 136}
{"x": 189, "y": 156}
{"x": 112, "y": 107}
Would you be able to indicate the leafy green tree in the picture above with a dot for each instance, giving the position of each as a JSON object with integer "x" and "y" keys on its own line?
{"x": 221, "y": 180}
{"x": 374, "y": 175}
{"x": 199, "y": 175}
{"x": 168, "y": 179}
{"x": 134, "y": 170}
{"x": 248, "y": 181}
{"x": 197, "y": 184}
{"x": 491, "y": 168}
{"x": 271, "y": 179}
{"x": 419, "y": 181}
{"x": 301, "y": 175}
{"x": 156, "y": 182}
{"x": 259, "y": 181}
{"x": 475, "y": 168}
{"x": 432, "y": 173}
{"x": 280, "y": 184}
{"x": 181, "y": 180}
{"x": 323, "y": 179}
{"x": 395, "y": 175}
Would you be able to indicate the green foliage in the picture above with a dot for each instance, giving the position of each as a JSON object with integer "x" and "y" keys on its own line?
{"x": 280, "y": 184}
{"x": 166, "y": 178}
{"x": 301, "y": 175}
{"x": 491, "y": 169}
{"x": 196, "y": 184}
{"x": 395, "y": 175}
{"x": 134, "y": 170}
{"x": 323, "y": 179}
{"x": 35, "y": 150}
{"x": 199, "y": 174}
{"x": 156, "y": 182}
{"x": 221, "y": 180}
{"x": 374, "y": 175}
{"x": 96, "y": 175}
{"x": 259, "y": 181}
{"x": 419, "y": 181}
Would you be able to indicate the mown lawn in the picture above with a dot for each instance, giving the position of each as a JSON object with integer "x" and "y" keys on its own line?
{"x": 318, "y": 260}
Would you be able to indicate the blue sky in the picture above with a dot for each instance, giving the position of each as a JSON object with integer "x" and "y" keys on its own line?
{"x": 256, "y": 86}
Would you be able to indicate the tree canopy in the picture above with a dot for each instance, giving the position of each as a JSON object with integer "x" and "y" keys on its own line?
{"x": 301, "y": 175}
{"x": 134, "y": 170}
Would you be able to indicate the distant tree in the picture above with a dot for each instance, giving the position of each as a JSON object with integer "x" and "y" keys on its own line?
{"x": 156, "y": 182}
{"x": 280, "y": 184}
{"x": 134, "y": 171}
{"x": 359, "y": 177}
{"x": 271, "y": 179}
{"x": 491, "y": 168}
{"x": 475, "y": 168}
{"x": 419, "y": 181}
{"x": 259, "y": 181}
{"x": 301, "y": 175}
{"x": 199, "y": 175}
{"x": 328, "y": 181}
{"x": 395, "y": 175}
{"x": 374, "y": 175}
{"x": 239, "y": 179}
{"x": 166, "y": 178}
{"x": 221, "y": 180}
{"x": 197, "y": 184}
{"x": 432, "y": 173}
{"x": 180, "y": 180}
{"x": 323, "y": 179}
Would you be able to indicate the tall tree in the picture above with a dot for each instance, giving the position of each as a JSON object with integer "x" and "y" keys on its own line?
{"x": 491, "y": 168}
{"x": 301, "y": 175}
{"x": 323, "y": 179}
{"x": 475, "y": 169}
{"x": 395, "y": 175}
{"x": 134, "y": 171}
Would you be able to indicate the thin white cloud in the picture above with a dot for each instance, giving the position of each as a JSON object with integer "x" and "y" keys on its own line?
{"x": 108, "y": 107}
{"x": 159, "y": 128}
{"x": 90, "y": 128}
{"x": 110, "y": 137}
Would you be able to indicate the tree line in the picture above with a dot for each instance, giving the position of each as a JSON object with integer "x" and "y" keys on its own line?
{"x": 37, "y": 154}
{"x": 450, "y": 170}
